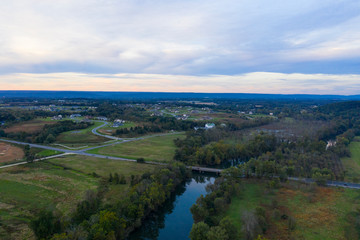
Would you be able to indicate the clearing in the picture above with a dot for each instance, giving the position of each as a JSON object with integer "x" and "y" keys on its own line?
{"x": 32, "y": 126}
{"x": 319, "y": 212}
{"x": 352, "y": 164}
{"x": 160, "y": 148}
{"x": 83, "y": 136}
{"x": 10, "y": 153}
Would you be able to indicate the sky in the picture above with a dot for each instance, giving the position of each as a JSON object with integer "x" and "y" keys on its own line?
{"x": 240, "y": 46}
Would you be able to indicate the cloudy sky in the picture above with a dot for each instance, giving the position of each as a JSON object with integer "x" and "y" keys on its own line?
{"x": 256, "y": 46}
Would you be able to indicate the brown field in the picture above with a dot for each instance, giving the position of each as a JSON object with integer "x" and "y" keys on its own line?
{"x": 9, "y": 153}
{"x": 32, "y": 126}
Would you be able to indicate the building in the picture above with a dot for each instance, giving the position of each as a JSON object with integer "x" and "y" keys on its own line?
{"x": 209, "y": 125}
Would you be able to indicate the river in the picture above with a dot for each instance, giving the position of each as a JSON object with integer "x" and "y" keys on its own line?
{"x": 174, "y": 219}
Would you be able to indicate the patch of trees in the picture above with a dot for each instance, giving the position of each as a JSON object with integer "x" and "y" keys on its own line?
{"x": 208, "y": 210}
{"x": 156, "y": 125}
{"x": 93, "y": 219}
{"x": 194, "y": 149}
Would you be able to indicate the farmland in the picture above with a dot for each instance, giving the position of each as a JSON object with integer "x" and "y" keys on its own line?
{"x": 10, "y": 153}
{"x": 32, "y": 126}
{"x": 57, "y": 185}
{"x": 160, "y": 148}
{"x": 25, "y": 190}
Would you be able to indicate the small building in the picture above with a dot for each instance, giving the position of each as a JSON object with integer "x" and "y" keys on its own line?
{"x": 209, "y": 125}
{"x": 102, "y": 118}
{"x": 58, "y": 117}
{"x": 75, "y": 115}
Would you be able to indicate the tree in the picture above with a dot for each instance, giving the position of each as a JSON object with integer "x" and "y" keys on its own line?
{"x": 217, "y": 233}
{"x": 45, "y": 225}
{"x": 199, "y": 231}
{"x": 229, "y": 227}
{"x": 116, "y": 178}
{"x": 29, "y": 156}
{"x": 50, "y": 139}
{"x": 251, "y": 227}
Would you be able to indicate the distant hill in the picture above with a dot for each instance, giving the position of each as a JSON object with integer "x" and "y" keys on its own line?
{"x": 165, "y": 95}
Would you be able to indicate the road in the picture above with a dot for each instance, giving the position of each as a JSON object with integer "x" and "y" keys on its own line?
{"x": 194, "y": 168}
{"x": 94, "y": 131}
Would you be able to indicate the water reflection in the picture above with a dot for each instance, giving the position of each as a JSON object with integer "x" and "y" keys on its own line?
{"x": 174, "y": 219}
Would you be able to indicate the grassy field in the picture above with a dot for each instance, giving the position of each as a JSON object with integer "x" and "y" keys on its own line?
{"x": 103, "y": 167}
{"x": 83, "y": 136}
{"x": 27, "y": 189}
{"x": 352, "y": 164}
{"x": 58, "y": 184}
{"x": 109, "y": 130}
{"x": 29, "y": 126}
{"x": 319, "y": 212}
{"x": 160, "y": 148}
{"x": 10, "y": 153}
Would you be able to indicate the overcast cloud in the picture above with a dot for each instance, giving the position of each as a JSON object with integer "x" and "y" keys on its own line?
{"x": 213, "y": 43}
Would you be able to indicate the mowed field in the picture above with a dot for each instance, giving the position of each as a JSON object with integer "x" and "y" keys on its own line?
{"x": 161, "y": 148}
{"x": 321, "y": 213}
{"x": 32, "y": 126}
{"x": 352, "y": 164}
{"x": 57, "y": 184}
{"x": 83, "y": 136}
{"x": 10, "y": 153}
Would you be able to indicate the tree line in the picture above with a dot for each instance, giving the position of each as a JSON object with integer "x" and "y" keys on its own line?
{"x": 95, "y": 219}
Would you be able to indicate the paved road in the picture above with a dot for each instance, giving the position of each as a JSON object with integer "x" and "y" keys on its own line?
{"x": 94, "y": 131}
{"x": 36, "y": 160}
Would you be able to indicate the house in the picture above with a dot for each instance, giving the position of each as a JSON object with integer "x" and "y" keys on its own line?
{"x": 58, "y": 117}
{"x": 209, "y": 125}
{"x": 102, "y": 118}
{"x": 75, "y": 115}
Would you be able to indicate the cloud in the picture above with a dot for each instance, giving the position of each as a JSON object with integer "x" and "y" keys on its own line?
{"x": 256, "y": 82}
{"x": 186, "y": 37}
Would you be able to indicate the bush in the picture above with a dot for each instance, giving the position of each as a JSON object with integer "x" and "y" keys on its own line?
{"x": 140, "y": 160}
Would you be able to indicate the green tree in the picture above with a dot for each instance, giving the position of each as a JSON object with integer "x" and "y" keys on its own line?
{"x": 199, "y": 231}
{"x": 217, "y": 233}
{"x": 45, "y": 225}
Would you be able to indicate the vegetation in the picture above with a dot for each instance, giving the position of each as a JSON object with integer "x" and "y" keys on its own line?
{"x": 160, "y": 148}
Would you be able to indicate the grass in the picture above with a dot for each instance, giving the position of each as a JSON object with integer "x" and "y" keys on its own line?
{"x": 47, "y": 153}
{"x": 103, "y": 167}
{"x": 320, "y": 213}
{"x": 250, "y": 198}
{"x": 27, "y": 189}
{"x": 100, "y": 166}
{"x": 83, "y": 136}
{"x": 32, "y": 126}
{"x": 352, "y": 164}
{"x": 161, "y": 148}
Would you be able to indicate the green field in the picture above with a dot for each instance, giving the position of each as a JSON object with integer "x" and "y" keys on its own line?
{"x": 103, "y": 167}
{"x": 320, "y": 213}
{"x": 83, "y": 136}
{"x": 27, "y": 189}
{"x": 352, "y": 164}
{"x": 58, "y": 184}
{"x": 161, "y": 148}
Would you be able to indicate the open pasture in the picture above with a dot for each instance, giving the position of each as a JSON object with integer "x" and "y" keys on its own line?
{"x": 161, "y": 148}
